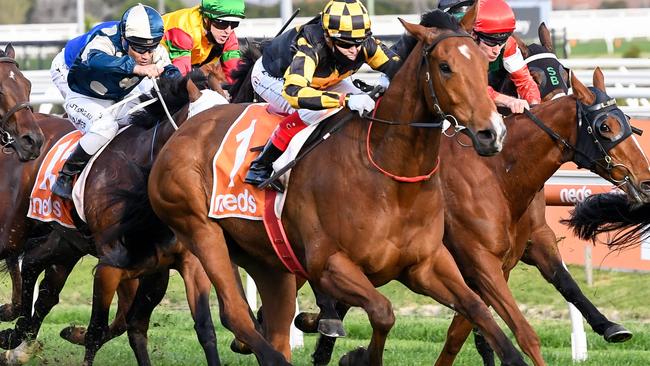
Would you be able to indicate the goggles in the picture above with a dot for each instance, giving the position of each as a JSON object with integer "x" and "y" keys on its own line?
{"x": 224, "y": 24}
{"x": 493, "y": 40}
{"x": 143, "y": 49}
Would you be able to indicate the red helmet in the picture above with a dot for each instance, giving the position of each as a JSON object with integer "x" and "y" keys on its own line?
{"x": 495, "y": 20}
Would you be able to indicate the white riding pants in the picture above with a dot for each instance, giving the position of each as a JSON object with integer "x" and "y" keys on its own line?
{"x": 270, "y": 89}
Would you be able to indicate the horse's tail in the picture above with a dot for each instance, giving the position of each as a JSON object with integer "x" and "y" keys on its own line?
{"x": 138, "y": 230}
{"x": 611, "y": 213}
{"x": 242, "y": 89}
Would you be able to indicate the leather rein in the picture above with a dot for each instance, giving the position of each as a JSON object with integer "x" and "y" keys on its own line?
{"x": 6, "y": 139}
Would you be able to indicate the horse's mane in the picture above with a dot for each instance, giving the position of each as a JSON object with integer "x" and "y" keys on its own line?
{"x": 439, "y": 19}
{"x": 250, "y": 52}
{"x": 174, "y": 92}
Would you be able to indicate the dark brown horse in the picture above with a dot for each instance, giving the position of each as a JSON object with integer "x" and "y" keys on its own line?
{"x": 151, "y": 261}
{"x": 386, "y": 230}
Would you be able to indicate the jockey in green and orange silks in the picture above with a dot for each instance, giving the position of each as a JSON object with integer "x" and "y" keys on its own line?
{"x": 204, "y": 34}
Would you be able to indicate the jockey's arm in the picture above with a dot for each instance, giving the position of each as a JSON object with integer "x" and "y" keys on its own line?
{"x": 297, "y": 80}
{"x": 514, "y": 104}
{"x": 381, "y": 58}
{"x": 513, "y": 62}
{"x": 179, "y": 46}
{"x": 230, "y": 57}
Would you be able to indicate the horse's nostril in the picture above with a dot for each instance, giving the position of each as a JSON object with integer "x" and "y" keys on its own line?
{"x": 645, "y": 186}
{"x": 27, "y": 140}
{"x": 486, "y": 135}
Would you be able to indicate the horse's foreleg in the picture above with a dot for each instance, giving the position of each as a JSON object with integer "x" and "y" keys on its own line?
{"x": 543, "y": 253}
{"x": 492, "y": 284}
{"x": 106, "y": 280}
{"x": 197, "y": 290}
{"x": 207, "y": 242}
{"x": 439, "y": 277}
{"x": 325, "y": 344}
{"x": 9, "y": 312}
{"x": 344, "y": 280}
{"x": 457, "y": 333}
{"x": 278, "y": 294}
{"x": 150, "y": 292}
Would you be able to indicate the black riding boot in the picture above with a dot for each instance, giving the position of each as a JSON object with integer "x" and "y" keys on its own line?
{"x": 262, "y": 167}
{"x": 73, "y": 166}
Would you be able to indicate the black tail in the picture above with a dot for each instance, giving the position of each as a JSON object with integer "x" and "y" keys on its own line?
{"x": 174, "y": 93}
{"x": 625, "y": 222}
{"x": 241, "y": 90}
{"x": 138, "y": 229}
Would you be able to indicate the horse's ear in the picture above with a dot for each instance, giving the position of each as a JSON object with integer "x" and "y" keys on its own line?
{"x": 467, "y": 23}
{"x": 545, "y": 37}
{"x": 418, "y": 31}
{"x": 599, "y": 80}
{"x": 9, "y": 51}
{"x": 193, "y": 91}
{"x": 581, "y": 92}
{"x": 523, "y": 47}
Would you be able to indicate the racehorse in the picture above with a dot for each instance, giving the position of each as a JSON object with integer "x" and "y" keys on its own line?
{"x": 64, "y": 247}
{"x": 19, "y": 134}
{"x": 346, "y": 252}
{"x": 492, "y": 236}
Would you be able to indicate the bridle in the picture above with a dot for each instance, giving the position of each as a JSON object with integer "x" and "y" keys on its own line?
{"x": 591, "y": 150}
{"x": 6, "y": 139}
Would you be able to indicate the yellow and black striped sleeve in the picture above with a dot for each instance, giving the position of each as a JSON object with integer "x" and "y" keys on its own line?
{"x": 297, "y": 81}
{"x": 381, "y": 58}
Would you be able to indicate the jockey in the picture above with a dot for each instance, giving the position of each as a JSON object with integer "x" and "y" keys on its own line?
{"x": 63, "y": 60}
{"x": 493, "y": 27}
{"x": 111, "y": 66}
{"x": 203, "y": 34}
{"x": 305, "y": 72}
{"x": 457, "y": 8}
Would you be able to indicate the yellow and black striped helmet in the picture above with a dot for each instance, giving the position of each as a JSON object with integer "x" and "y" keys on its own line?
{"x": 346, "y": 20}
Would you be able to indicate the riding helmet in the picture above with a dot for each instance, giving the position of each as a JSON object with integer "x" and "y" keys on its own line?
{"x": 346, "y": 20}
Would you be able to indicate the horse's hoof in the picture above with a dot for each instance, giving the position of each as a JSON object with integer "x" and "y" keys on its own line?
{"x": 9, "y": 339}
{"x": 23, "y": 353}
{"x": 617, "y": 334}
{"x": 331, "y": 328}
{"x": 239, "y": 347}
{"x": 307, "y": 322}
{"x": 358, "y": 357}
{"x": 75, "y": 335}
{"x": 7, "y": 313}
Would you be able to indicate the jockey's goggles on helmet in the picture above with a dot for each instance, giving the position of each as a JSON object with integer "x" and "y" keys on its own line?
{"x": 348, "y": 42}
{"x": 493, "y": 39}
{"x": 224, "y": 24}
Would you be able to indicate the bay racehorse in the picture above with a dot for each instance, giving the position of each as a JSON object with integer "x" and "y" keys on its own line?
{"x": 385, "y": 230}
{"x": 62, "y": 249}
{"x": 21, "y": 139}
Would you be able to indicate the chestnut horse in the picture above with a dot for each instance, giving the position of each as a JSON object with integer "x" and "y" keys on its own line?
{"x": 389, "y": 230}
{"x": 64, "y": 247}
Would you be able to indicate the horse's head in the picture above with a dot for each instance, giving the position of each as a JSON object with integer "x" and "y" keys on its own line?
{"x": 216, "y": 77}
{"x": 551, "y": 76}
{"x": 452, "y": 76}
{"x": 18, "y": 127}
{"x": 605, "y": 142}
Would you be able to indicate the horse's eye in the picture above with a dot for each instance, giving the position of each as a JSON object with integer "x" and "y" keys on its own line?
{"x": 604, "y": 128}
{"x": 444, "y": 67}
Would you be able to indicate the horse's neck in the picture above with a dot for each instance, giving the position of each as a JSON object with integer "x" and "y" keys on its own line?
{"x": 530, "y": 156}
{"x": 405, "y": 150}
{"x": 161, "y": 133}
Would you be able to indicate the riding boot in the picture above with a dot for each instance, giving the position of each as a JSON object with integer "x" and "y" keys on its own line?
{"x": 72, "y": 167}
{"x": 262, "y": 167}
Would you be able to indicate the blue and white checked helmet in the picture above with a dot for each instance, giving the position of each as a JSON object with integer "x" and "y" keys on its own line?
{"x": 142, "y": 25}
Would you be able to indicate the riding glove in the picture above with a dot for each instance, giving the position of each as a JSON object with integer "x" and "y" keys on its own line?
{"x": 361, "y": 103}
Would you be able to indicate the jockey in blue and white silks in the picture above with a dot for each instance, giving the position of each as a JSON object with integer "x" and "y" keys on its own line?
{"x": 113, "y": 64}
{"x": 63, "y": 60}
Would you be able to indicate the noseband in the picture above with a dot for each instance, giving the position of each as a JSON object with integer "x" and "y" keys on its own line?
{"x": 6, "y": 139}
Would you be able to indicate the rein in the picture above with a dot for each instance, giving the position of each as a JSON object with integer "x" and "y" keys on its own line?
{"x": 6, "y": 139}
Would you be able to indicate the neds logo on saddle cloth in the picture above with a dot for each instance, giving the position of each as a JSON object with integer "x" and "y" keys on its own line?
{"x": 43, "y": 205}
{"x": 231, "y": 197}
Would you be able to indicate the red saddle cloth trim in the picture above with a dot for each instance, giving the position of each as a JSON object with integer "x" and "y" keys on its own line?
{"x": 278, "y": 237}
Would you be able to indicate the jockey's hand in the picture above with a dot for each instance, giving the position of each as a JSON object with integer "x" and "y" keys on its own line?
{"x": 361, "y": 103}
{"x": 151, "y": 71}
{"x": 516, "y": 105}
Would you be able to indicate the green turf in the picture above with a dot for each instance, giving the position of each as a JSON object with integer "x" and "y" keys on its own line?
{"x": 416, "y": 338}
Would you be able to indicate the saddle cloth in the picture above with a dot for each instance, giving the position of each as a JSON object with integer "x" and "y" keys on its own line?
{"x": 46, "y": 207}
{"x": 231, "y": 197}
